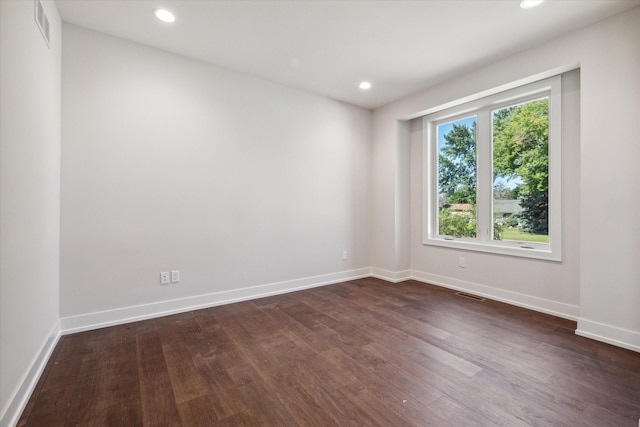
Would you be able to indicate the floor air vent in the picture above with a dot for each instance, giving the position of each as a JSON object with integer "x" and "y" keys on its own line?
{"x": 42, "y": 21}
{"x": 473, "y": 297}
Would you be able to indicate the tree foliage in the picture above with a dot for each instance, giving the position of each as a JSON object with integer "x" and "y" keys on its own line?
{"x": 521, "y": 149}
{"x": 453, "y": 224}
{"x": 521, "y": 145}
{"x": 462, "y": 224}
{"x": 457, "y": 165}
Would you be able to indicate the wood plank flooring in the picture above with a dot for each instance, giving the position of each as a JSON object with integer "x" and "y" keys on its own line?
{"x": 360, "y": 353}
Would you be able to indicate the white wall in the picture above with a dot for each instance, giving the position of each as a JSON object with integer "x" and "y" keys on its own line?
{"x": 597, "y": 281}
{"x": 610, "y": 200}
{"x": 169, "y": 163}
{"x": 29, "y": 200}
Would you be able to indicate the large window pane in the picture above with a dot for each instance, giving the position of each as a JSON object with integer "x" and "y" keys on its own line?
{"x": 521, "y": 172}
{"x": 457, "y": 178}
{"x": 492, "y": 173}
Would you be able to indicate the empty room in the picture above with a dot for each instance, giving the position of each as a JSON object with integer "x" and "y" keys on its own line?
{"x": 319, "y": 213}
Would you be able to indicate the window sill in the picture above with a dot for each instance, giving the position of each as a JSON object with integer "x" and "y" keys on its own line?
{"x": 534, "y": 251}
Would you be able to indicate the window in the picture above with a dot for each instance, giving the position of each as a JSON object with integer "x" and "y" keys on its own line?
{"x": 492, "y": 173}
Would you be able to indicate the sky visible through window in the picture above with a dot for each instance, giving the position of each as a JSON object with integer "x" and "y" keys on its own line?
{"x": 445, "y": 128}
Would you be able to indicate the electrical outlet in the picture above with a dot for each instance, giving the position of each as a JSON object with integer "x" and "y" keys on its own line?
{"x": 345, "y": 255}
{"x": 164, "y": 278}
{"x": 461, "y": 263}
{"x": 175, "y": 276}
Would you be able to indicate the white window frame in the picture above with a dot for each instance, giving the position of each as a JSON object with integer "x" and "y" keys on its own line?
{"x": 482, "y": 108}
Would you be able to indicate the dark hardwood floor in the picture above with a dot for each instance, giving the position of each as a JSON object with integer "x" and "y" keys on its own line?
{"x": 361, "y": 353}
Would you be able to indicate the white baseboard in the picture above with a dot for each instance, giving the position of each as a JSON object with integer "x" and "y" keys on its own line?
{"x": 566, "y": 311}
{"x": 390, "y": 276}
{"x": 11, "y": 413}
{"x": 609, "y": 334}
{"x": 89, "y": 321}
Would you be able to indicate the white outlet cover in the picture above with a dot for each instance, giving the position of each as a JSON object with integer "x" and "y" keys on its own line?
{"x": 164, "y": 278}
{"x": 175, "y": 276}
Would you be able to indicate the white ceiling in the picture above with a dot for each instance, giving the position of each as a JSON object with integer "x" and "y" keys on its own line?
{"x": 328, "y": 47}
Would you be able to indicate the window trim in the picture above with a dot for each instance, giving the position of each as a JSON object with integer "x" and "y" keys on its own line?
{"x": 549, "y": 87}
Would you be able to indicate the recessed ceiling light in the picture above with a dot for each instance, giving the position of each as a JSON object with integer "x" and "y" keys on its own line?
{"x": 528, "y": 4}
{"x": 164, "y": 15}
{"x": 365, "y": 85}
